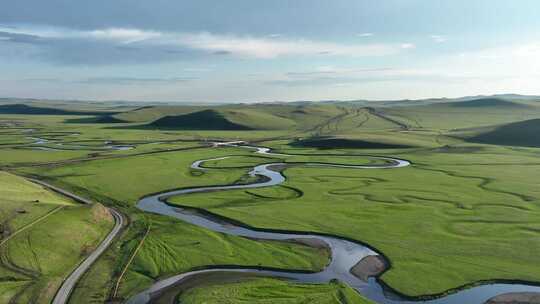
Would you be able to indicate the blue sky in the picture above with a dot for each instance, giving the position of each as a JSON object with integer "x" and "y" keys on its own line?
{"x": 246, "y": 50}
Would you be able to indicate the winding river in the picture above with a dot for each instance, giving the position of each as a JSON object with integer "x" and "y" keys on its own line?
{"x": 344, "y": 253}
{"x": 42, "y": 142}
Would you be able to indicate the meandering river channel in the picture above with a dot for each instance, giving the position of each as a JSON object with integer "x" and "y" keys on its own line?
{"x": 345, "y": 254}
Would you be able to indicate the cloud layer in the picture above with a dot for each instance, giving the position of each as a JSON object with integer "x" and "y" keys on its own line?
{"x": 137, "y": 43}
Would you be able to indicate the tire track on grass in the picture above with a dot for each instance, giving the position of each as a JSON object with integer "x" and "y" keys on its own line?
{"x": 117, "y": 285}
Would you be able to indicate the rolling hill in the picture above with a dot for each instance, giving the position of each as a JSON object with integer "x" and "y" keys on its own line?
{"x": 234, "y": 117}
{"x": 33, "y": 110}
{"x": 523, "y": 133}
{"x": 485, "y": 103}
{"x": 201, "y": 120}
{"x": 152, "y": 113}
{"x": 344, "y": 143}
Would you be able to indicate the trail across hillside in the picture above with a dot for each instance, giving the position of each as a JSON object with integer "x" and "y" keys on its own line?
{"x": 63, "y": 293}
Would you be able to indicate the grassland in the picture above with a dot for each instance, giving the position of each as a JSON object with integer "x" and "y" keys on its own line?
{"x": 44, "y": 237}
{"x": 464, "y": 234}
{"x": 464, "y": 212}
{"x": 140, "y": 175}
{"x": 259, "y": 117}
{"x": 171, "y": 246}
{"x": 522, "y": 133}
{"x": 35, "y": 110}
{"x": 265, "y": 291}
{"x": 450, "y": 116}
{"x": 202, "y": 120}
{"x": 164, "y": 253}
{"x": 341, "y": 143}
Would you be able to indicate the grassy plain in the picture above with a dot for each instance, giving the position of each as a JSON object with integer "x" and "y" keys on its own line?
{"x": 464, "y": 236}
{"x": 266, "y": 291}
{"x": 171, "y": 245}
{"x": 174, "y": 247}
{"x": 464, "y": 212}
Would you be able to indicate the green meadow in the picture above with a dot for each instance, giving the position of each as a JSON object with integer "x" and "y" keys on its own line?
{"x": 262, "y": 291}
{"x": 171, "y": 245}
{"x": 467, "y": 210}
{"x": 465, "y": 235}
{"x": 45, "y": 237}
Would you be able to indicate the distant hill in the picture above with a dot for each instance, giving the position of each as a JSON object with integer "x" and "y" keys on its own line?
{"x": 201, "y": 120}
{"x": 151, "y": 113}
{"x": 518, "y": 97}
{"x": 108, "y": 119}
{"x": 102, "y": 119}
{"x": 523, "y": 133}
{"x": 485, "y": 103}
{"x": 119, "y": 105}
{"x": 255, "y": 117}
{"x": 32, "y": 110}
{"x": 343, "y": 143}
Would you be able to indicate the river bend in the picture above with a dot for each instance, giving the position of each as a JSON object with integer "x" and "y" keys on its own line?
{"x": 344, "y": 253}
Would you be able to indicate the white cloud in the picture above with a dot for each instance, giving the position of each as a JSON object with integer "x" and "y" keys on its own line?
{"x": 120, "y": 35}
{"x": 512, "y": 68}
{"x": 134, "y": 80}
{"x": 365, "y": 34}
{"x": 248, "y": 46}
{"x": 527, "y": 54}
{"x": 407, "y": 46}
{"x": 271, "y": 48}
{"x": 195, "y": 70}
{"x": 341, "y": 76}
{"x": 123, "y": 35}
{"x": 438, "y": 38}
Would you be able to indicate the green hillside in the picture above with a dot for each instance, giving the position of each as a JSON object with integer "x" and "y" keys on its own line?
{"x": 485, "y": 102}
{"x": 344, "y": 143}
{"x": 33, "y": 110}
{"x": 101, "y": 119}
{"x": 151, "y": 113}
{"x": 236, "y": 117}
{"x": 44, "y": 235}
{"x": 523, "y": 133}
{"x": 338, "y": 119}
{"x": 202, "y": 120}
{"x": 476, "y": 113}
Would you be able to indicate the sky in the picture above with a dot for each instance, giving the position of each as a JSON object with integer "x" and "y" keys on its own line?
{"x": 267, "y": 50}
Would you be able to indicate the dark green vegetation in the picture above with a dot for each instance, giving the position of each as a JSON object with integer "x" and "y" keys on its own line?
{"x": 487, "y": 103}
{"x": 101, "y": 119}
{"x": 467, "y": 210}
{"x": 33, "y": 110}
{"x": 203, "y": 120}
{"x": 343, "y": 143}
{"x": 523, "y": 133}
